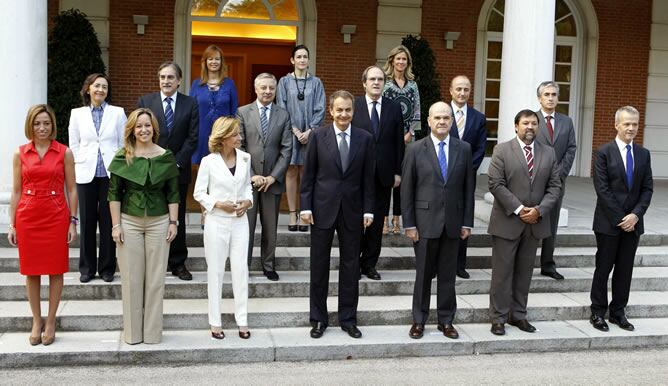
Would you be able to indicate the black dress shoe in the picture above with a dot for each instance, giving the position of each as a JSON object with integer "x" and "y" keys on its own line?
{"x": 448, "y": 330}
{"x": 293, "y": 228}
{"x": 271, "y": 275}
{"x": 622, "y": 322}
{"x": 182, "y": 273}
{"x": 303, "y": 228}
{"x": 498, "y": 329}
{"x": 599, "y": 323}
{"x": 318, "y": 330}
{"x": 417, "y": 331}
{"x": 218, "y": 335}
{"x": 108, "y": 278}
{"x": 553, "y": 274}
{"x": 353, "y": 331}
{"x": 523, "y": 325}
{"x": 244, "y": 334}
{"x": 86, "y": 278}
{"x": 371, "y": 273}
{"x": 463, "y": 274}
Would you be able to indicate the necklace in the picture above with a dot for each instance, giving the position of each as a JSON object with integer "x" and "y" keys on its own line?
{"x": 300, "y": 93}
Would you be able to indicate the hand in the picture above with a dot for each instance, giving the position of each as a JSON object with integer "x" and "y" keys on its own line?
{"x": 71, "y": 233}
{"x": 464, "y": 233}
{"x": 529, "y": 215}
{"x": 117, "y": 235}
{"x": 268, "y": 181}
{"x": 296, "y": 132}
{"x": 242, "y": 207}
{"x": 303, "y": 137}
{"x": 306, "y": 218}
{"x": 11, "y": 237}
{"x": 629, "y": 222}
{"x": 227, "y": 206}
{"x": 408, "y": 137}
{"x": 367, "y": 222}
{"x": 412, "y": 234}
{"x": 257, "y": 181}
{"x": 171, "y": 232}
{"x": 397, "y": 181}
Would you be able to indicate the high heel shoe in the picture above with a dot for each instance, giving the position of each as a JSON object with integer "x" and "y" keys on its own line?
{"x": 47, "y": 340}
{"x": 217, "y": 334}
{"x": 386, "y": 229}
{"x": 291, "y": 227}
{"x": 35, "y": 340}
{"x": 395, "y": 225}
{"x": 244, "y": 334}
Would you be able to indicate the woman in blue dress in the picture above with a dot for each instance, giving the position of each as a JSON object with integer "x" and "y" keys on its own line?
{"x": 303, "y": 96}
{"x": 216, "y": 96}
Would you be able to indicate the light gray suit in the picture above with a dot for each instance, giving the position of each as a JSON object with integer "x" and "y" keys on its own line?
{"x": 564, "y": 151}
{"x": 514, "y": 242}
{"x": 269, "y": 156}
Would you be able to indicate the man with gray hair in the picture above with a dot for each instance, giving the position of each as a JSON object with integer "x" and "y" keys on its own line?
{"x": 554, "y": 130}
{"x": 266, "y": 134}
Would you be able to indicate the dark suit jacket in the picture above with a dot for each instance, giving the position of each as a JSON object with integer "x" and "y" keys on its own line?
{"x": 389, "y": 141}
{"x": 270, "y": 156}
{"x": 182, "y": 140}
{"x": 428, "y": 202}
{"x": 564, "y": 140}
{"x": 475, "y": 134}
{"x": 326, "y": 188}
{"x": 511, "y": 186}
{"x": 614, "y": 198}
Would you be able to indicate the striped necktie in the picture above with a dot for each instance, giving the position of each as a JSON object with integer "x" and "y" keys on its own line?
{"x": 461, "y": 123}
{"x": 264, "y": 122}
{"x": 169, "y": 115}
{"x": 529, "y": 156}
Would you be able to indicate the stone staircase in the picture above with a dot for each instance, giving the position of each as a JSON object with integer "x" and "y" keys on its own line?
{"x": 90, "y": 315}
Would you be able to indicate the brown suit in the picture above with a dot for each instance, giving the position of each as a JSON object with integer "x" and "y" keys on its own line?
{"x": 514, "y": 242}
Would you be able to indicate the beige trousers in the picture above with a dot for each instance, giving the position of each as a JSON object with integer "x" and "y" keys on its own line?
{"x": 142, "y": 260}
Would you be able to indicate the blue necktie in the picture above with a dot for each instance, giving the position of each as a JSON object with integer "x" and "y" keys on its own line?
{"x": 442, "y": 161}
{"x": 169, "y": 114}
{"x": 375, "y": 119}
{"x": 629, "y": 166}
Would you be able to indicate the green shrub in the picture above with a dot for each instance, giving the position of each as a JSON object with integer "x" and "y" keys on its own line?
{"x": 426, "y": 77}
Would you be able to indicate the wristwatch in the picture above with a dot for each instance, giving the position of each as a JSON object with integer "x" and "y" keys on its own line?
{"x": 174, "y": 222}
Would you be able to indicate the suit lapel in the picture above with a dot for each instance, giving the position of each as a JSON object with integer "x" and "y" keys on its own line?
{"x": 330, "y": 143}
{"x": 519, "y": 156}
{"x": 156, "y": 107}
{"x": 355, "y": 139}
{"x": 453, "y": 152}
{"x": 433, "y": 158}
{"x": 256, "y": 122}
{"x": 537, "y": 158}
{"x": 467, "y": 124}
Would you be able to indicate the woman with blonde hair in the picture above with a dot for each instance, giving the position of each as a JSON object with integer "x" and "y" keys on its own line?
{"x": 144, "y": 204}
{"x": 42, "y": 215}
{"x": 401, "y": 87}
{"x": 216, "y": 96}
{"x": 223, "y": 188}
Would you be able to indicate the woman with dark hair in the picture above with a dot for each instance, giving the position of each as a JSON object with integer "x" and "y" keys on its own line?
{"x": 144, "y": 204}
{"x": 43, "y": 215}
{"x": 303, "y": 96}
{"x": 216, "y": 97}
{"x": 95, "y": 134}
{"x": 401, "y": 88}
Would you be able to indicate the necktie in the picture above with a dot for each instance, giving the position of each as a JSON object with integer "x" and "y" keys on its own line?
{"x": 629, "y": 166}
{"x": 460, "y": 123}
{"x": 264, "y": 123}
{"x": 375, "y": 119}
{"x": 550, "y": 129}
{"x": 169, "y": 115}
{"x": 442, "y": 161}
{"x": 343, "y": 151}
{"x": 529, "y": 156}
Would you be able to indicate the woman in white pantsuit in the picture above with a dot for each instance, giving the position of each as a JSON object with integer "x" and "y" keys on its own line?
{"x": 223, "y": 188}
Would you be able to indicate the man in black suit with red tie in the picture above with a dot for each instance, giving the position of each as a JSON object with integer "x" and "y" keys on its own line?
{"x": 178, "y": 121}
{"x": 624, "y": 186}
{"x": 337, "y": 195}
{"x": 469, "y": 125}
{"x": 382, "y": 118}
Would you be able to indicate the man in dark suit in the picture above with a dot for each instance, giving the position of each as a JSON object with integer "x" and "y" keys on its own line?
{"x": 624, "y": 186}
{"x": 178, "y": 120}
{"x": 554, "y": 130}
{"x": 470, "y": 126}
{"x": 266, "y": 135}
{"x": 382, "y": 118}
{"x": 524, "y": 179}
{"x": 337, "y": 195}
{"x": 437, "y": 210}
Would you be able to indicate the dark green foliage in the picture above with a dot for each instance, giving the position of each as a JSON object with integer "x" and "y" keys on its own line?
{"x": 74, "y": 53}
{"x": 426, "y": 77}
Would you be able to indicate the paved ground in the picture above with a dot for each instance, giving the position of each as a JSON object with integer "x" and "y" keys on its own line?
{"x": 610, "y": 367}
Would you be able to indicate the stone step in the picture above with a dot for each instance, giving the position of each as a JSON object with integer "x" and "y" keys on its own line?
{"x": 294, "y": 344}
{"x": 99, "y": 315}
{"x": 297, "y": 258}
{"x": 296, "y": 284}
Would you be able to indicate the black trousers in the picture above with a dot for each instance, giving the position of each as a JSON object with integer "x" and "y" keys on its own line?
{"x": 464, "y": 244}
{"x": 619, "y": 252}
{"x": 547, "y": 249}
{"x": 435, "y": 257}
{"x": 396, "y": 201}
{"x": 349, "y": 270}
{"x": 94, "y": 212}
{"x": 372, "y": 236}
{"x": 178, "y": 252}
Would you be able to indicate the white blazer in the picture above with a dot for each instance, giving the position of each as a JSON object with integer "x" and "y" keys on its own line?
{"x": 85, "y": 142}
{"x": 216, "y": 183}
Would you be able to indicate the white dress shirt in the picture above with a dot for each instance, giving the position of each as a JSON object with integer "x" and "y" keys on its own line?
{"x": 164, "y": 103}
{"x": 369, "y": 105}
{"x": 622, "y": 150}
{"x": 464, "y": 110}
{"x": 260, "y": 106}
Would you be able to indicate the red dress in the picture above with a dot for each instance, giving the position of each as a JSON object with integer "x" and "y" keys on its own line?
{"x": 42, "y": 214}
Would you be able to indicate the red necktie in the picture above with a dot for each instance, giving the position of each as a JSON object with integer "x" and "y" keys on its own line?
{"x": 550, "y": 129}
{"x": 529, "y": 156}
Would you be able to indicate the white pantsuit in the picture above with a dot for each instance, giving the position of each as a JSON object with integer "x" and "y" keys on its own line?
{"x": 225, "y": 234}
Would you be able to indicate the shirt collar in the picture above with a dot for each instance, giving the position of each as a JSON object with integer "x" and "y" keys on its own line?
{"x": 545, "y": 115}
{"x": 522, "y": 144}
{"x": 163, "y": 96}
{"x": 103, "y": 106}
{"x": 455, "y": 108}
{"x": 369, "y": 100}
{"x": 31, "y": 147}
{"x": 436, "y": 141}
{"x": 337, "y": 131}
{"x": 622, "y": 145}
{"x": 260, "y": 105}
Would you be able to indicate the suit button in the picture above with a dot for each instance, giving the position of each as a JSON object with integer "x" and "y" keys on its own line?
{"x": 29, "y": 191}
{"x": 53, "y": 192}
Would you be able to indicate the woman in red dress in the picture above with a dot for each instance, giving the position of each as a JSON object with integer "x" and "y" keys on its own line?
{"x": 42, "y": 220}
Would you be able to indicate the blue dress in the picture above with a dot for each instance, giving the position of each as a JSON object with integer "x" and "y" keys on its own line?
{"x": 212, "y": 105}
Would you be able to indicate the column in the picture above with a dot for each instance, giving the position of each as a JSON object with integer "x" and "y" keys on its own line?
{"x": 528, "y": 58}
{"x": 23, "y": 70}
